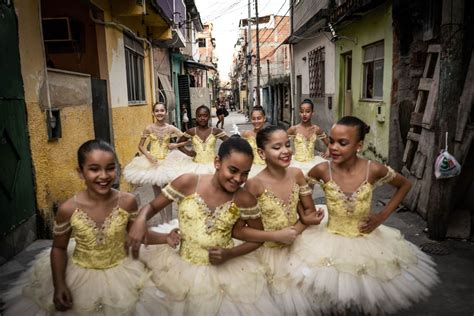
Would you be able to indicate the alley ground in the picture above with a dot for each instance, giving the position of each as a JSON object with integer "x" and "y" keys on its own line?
{"x": 454, "y": 296}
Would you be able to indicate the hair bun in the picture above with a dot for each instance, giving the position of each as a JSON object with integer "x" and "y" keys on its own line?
{"x": 367, "y": 129}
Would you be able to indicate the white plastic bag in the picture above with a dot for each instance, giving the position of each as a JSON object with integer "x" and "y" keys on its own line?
{"x": 446, "y": 166}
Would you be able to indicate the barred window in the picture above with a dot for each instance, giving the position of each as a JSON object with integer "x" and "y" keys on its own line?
{"x": 316, "y": 72}
{"x": 134, "y": 58}
{"x": 373, "y": 71}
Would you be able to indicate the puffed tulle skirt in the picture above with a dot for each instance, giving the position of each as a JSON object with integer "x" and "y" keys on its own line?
{"x": 125, "y": 289}
{"x": 289, "y": 296}
{"x": 373, "y": 274}
{"x": 306, "y": 166}
{"x": 141, "y": 171}
{"x": 178, "y": 163}
{"x": 236, "y": 287}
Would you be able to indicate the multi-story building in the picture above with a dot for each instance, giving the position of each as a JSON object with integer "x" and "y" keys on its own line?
{"x": 274, "y": 65}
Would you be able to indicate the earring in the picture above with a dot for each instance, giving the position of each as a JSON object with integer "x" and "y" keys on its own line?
{"x": 358, "y": 150}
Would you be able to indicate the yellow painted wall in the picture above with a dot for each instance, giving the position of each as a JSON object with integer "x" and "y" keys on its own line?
{"x": 54, "y": 162}
{"x": 129, "y": 123}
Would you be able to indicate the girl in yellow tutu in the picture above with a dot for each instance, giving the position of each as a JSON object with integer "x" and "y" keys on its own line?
{"x": 279, "y": 190}
{"x": 358, "y": 264}
{"x": 148, "y": 168}
{"x": 305, "y": 135}
{"x": 210, "y": 275}
{"x": 258, "y": 119}
{"x": 200, "y": 159}
{"x": 93, "y": 275}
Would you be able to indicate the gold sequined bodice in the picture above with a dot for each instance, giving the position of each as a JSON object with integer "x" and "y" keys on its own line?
{"x": 346, "y": 211}
{"x": 202, "y": 228}
{"x": 99, "y": 247}
{"x": 276, "y": 214}
{"x": 159, "y": 145}
{"x": 304, "y": 147}
{"x": 160, "y": 139}
{"x": 256, "y": 158}
{"x": 205, "y": 150}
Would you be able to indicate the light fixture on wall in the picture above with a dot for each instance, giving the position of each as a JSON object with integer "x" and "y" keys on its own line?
{"x": 334, "y": 37}
{"x": 304, "y": 58}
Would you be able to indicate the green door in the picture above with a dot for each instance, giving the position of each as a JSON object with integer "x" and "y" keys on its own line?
{"x": 17, "y": 199}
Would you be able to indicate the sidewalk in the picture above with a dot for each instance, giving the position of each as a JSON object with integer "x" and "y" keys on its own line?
{"x": 454, "y": 296}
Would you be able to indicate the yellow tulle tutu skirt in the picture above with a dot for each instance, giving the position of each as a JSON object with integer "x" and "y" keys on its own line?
{"x": 374, "y": 274}
{"x": 125, "y": 289}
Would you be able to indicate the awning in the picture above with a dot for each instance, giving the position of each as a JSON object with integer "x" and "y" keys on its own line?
{"x": 168, "y": 92}
{"x": 195, "y": 64}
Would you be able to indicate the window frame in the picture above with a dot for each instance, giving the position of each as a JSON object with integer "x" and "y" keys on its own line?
{"x": 135, "y": 70}
{"x": 316, "y": 66}
{"x": 369, "y": 67}
{"x": 202, "y": 40}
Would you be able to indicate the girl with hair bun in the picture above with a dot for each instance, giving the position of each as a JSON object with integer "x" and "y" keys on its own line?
{"x": 148, "y": 168}
{"x": 358, "y": 264}
{"x": 304, "y": 136}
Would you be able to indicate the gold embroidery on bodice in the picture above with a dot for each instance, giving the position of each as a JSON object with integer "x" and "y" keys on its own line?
{"x": 256, "y": 157}
{"x": 99, "y": 246}
{"x": 277, "y": 214}
{"x": 304, "y": 147}
{"x": 159, "y": 140}
{"x": 346, "y": 211}
{"x": 202, "y": 228}
{"x": 205, "y": 150}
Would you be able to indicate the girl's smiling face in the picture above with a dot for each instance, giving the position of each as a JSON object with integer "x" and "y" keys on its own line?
{"x": 233, "y": 170}
{"x": 277, "y": 149}
{"x": 159, "y": 112}
{"x": 99, "y": 171}
{"x": 258, "y": 119}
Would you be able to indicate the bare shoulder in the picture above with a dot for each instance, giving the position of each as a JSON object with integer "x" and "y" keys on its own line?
{"x": 297, "y": 174}
{"x": 128, "y": 202}
{"x": 66, "y": 210}
{"x": 173, "y": 128}
{"x": 254, "y": 186}
{"x": 246, "y": 134}
{"x": 377, "y": 170}
{"x": 186, "y": 183}
{"x": 217, "y": 131}
{"x": 317, "y": 129}
{"x": 318, "y": 171}
{"x": 191, "y": 131}
{"x": 244, "y": 199}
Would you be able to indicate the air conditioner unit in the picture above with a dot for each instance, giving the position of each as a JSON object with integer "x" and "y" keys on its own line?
{"x": 57, "y": 29}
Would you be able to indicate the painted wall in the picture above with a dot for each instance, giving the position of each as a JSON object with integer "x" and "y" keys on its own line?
{"x": 373, "y": 27}
{"x": 54, "y": 162}
{"x": 323, "y": 116}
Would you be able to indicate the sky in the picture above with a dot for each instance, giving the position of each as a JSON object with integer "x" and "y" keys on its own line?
{"x": 225, "y": 16}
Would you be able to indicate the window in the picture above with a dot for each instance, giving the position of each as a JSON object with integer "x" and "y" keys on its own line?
{"x": 316, "y": 72}
{"x": 202, "y": 42}
{"x": 134, "y": 55}
{"x": 373, "y": 71}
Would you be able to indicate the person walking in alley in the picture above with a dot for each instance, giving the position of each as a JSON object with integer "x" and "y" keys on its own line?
{"x": 185, "y": 117}
{"x": 221, "y": 114}
{"x": 93, "y": 275}
{"x": 358, "y": 264}
{"x": 304, "y": 136}
{"x": 148, "y": 168}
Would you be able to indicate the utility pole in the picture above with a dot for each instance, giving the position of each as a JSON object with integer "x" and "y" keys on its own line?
{"x": 249, "y": 59}
{"x": 258, "y": 55}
